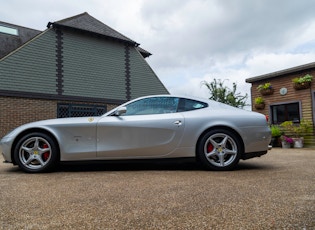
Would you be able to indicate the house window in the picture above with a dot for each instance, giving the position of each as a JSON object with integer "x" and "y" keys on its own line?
{"x": 286, "y": 112}
{"x": 8, "y": 30}
{"x": 79, "y": 110}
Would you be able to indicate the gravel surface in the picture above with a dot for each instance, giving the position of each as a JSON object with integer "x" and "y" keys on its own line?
{"x": 276, "y": 191}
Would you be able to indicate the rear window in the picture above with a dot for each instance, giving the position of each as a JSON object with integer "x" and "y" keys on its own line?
{"x": 188, "y": 105}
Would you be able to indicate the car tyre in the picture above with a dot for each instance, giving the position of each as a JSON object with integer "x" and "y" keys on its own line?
{"x": 36, "y": 152}
{"x": 219, "y": 149}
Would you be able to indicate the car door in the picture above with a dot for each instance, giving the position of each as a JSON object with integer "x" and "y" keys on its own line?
{"x": 151, "y": 129}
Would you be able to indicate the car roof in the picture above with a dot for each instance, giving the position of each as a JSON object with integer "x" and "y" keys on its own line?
{"x": 175, "y": 95}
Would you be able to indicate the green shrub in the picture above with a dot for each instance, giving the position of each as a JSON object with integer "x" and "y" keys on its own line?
{"x": 275, "y": 131}
{"x": 305, "y": 78}
{"x": 259, "y": 100}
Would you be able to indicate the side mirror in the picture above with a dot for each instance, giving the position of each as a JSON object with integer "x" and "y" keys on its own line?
{"x": 120, "y": 111}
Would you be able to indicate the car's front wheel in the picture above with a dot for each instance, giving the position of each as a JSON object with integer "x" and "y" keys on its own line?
{"x": 219, "y": 150}
{"x": 36, "y": 152}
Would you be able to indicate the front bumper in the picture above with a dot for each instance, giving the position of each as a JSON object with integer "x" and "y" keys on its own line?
{"x": 5, "y": 149}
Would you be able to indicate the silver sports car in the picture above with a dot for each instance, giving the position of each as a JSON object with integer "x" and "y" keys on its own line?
{"x": 152, "y": 127}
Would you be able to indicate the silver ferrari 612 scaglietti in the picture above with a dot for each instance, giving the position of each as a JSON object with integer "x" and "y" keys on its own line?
{"x": 152, "y": 127}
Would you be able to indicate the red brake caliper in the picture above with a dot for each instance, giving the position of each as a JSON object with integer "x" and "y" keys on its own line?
{"x": 45, "y": 154}
{"x": 209, "y": 147}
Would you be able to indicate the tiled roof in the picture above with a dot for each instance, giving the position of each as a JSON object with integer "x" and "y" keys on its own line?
{"x": 85, "y": 22}
{"x": 144, "y": 52}
{"x": 281, "y": 72}
{"x": 8, "y": 42}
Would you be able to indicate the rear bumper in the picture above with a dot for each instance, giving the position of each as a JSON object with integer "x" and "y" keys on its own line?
{"x": 253, "y": 154}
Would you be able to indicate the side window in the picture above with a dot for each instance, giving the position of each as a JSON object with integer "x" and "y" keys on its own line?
{"x": 153, "y": 105}
{"x": 188, "y": 105}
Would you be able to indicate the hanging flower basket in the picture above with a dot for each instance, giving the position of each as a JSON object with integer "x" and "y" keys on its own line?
{"x": 265, "y": 92}
{"x": 260, "y": 106}
{"x": 265, "y": 89}
{"x": 303, "y": 85}
{"x": 302, "y": 82}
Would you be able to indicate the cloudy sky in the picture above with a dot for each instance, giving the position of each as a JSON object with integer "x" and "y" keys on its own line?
{"x": 194, "y": 40}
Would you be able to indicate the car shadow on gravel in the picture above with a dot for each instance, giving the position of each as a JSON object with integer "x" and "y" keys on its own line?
{"x": 149, "y": 165}
{"x": 143, "y": 165}
{"x": 130, "y": 165}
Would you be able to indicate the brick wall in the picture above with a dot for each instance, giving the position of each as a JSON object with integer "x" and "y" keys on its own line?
{"x": 17, "y": 111}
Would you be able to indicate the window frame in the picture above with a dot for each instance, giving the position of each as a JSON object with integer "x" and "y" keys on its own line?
{"x": 180, "y": 107}
{"x": 284, "y": 103}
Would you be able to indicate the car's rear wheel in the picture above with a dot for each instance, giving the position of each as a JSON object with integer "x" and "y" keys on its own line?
{"x": 219, "y": 150}
{"x": 36, "y": 152}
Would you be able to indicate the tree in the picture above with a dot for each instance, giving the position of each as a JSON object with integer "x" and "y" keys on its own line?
{"x": 221, "y": 93}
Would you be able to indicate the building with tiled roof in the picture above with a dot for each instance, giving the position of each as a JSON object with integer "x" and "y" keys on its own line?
{"x": 78, "y": 66}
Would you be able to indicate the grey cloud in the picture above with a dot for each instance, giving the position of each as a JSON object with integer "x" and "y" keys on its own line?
{"x": 191, "y": 31}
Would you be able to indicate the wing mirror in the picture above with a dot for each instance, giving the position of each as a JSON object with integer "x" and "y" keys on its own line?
{"x": 120, "y": 111}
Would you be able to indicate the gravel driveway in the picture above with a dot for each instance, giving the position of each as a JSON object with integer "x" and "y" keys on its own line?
{"x": 276, "y": 191}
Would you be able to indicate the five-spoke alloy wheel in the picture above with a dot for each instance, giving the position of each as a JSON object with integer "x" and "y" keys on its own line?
{"x": 36, "y": 152}
{"x": 219, "y": 150}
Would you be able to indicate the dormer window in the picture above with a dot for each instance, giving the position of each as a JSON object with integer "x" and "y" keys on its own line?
{"x": 8, "y": 30}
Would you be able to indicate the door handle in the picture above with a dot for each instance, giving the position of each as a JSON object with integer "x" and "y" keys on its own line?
{"x": 178, "y": 123}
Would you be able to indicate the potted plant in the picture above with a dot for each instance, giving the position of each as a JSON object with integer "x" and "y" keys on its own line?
{"x": 265, "y": 89}
{"x": 275, "y": 135}
{"x": 302, "y": 82}
{"x": 287, "y": 130}
{"x": 298, "y": 131}
{"x": 304, "y": 129}
{"x": 259, "y": 103}
{"x": 286, "y": 142}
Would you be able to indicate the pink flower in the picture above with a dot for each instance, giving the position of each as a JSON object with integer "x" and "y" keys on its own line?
{"x": 288, "y": 139}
